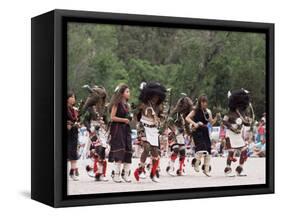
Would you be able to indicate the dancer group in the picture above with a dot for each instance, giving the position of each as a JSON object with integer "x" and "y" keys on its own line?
{"x": 108, "y": 127}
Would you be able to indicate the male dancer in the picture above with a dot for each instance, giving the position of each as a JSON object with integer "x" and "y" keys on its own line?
{"x": 151, "y": 97}
{"x": 92, "y": 118}
{"x": 236, "y": 118}
{"x": 177, "y": 131}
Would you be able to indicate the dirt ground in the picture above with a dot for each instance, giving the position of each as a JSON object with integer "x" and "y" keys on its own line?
{"x": 254, "y": 168}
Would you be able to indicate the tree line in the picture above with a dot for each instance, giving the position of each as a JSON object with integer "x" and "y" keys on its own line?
{"x": 188, "y": 61}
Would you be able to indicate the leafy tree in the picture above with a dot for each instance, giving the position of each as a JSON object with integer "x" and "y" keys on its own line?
{"x": 189, "y": 61}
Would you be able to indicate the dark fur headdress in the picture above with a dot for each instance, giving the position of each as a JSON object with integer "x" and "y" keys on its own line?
{"x": 238, "y": 99}
{"x": 97, "y": 96}
{"x": 184, "y": 105}
{"x": 149, "y": 90}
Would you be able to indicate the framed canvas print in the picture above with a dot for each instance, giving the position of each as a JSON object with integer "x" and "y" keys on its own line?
{"x": 134, "y": 108}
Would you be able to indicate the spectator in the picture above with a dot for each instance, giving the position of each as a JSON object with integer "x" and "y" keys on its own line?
{"x": 251, "y": 147}
{"x": 261, "y": 131}
{"x": 259, "y": 149}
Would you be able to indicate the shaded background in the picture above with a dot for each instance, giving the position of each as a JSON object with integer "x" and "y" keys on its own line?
{"x": 188, "y": 61}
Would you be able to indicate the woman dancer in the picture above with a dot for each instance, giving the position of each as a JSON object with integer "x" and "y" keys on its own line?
{"x": 199, "y": 118}
{"x": 72, "y": 136}
{"x": 120, "y": 133}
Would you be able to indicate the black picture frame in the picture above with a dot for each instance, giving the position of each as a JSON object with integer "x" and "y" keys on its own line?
{"x": 48, "y": 92}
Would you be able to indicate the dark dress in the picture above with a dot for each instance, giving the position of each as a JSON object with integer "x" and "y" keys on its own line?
{"x": 120, "y": 137}
{"x": 201, "y": 135}
{"x": 72, "y": 135}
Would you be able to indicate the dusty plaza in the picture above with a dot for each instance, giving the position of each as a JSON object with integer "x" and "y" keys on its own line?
{"x": 254, "y": 167}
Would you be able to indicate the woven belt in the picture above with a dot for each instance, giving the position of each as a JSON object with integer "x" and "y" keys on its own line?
{"x": 150, "y": 126}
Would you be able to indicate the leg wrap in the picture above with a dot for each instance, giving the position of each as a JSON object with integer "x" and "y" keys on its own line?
{"x": 206, "y": 166}
{"x": 100, "y": 167}
{"x": 239, "y": 169}
{"x": 182, "y": 151}
{"x": 95, "y": 167}
{"x": 127, "y": 168}
{"x": 197, "y": 158}
{"x": 139, "y": 170}
{"x": 207, "y": 160}
{"x": 230, "y": 158}
{"x": 174, "y": 156}
{"x": 196, "y": 161}
{"x": 243, "y": 156}
{"x": 104, "y": 167}
{"x": 99, "y": 170}
{"x": 126, "y": 175}
{"x": 155, "y": 164}
{"x": 117, "y": 172}
{"x": 227, "y": 170}
{"x": 71, "y": 172}
{"x": 182, "y": 159}
{"x": 117, "y": 168}
{"x": 88, "y": 168}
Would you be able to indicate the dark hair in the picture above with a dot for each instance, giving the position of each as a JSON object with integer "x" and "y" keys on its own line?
{"x": 202, "y": 98}
{"x": 117, "y": 96}
{"x": 70, "y": 93}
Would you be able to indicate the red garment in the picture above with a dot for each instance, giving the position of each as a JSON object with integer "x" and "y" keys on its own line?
{"x": 261, "y": 129}
{"x": 72, "y": 114}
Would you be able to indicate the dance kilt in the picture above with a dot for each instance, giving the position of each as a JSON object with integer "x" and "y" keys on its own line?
{"x": 236, "y": 140}
{"x": 149, "y": 132}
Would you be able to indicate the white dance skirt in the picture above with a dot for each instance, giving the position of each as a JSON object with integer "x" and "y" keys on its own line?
{"x": 180, "y": 138}
{"x": 236, "y": 140}
{"x": 152, "y": 135}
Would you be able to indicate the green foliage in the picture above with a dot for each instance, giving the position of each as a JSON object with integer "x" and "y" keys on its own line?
{"x": 188, "y": 61}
